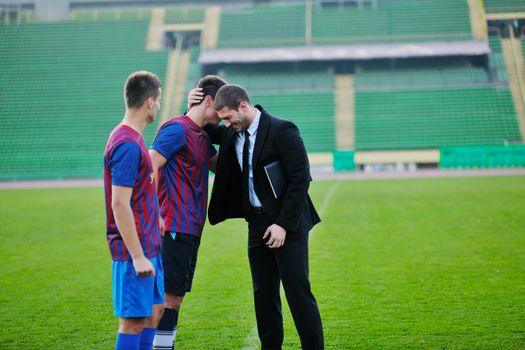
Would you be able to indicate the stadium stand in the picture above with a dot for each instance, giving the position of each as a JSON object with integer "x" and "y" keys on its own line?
{"x": 523, "y": 46}
{"x": 61, "y": 81}
{"x": 304, "y": 97}
{"x": 309, "y": 111}
{"x": 390, "y": 21}
{"x": 503, "y": 6}
{"x": 422, "y": 77}
{"x": 184, "y": 15}
{"x": 418, "y": 109}
{"x": 398, "y": 21}
{"x": 497, "y": 60}
{"x": 194, "y": 73}
{"x": 515, "y": 68}
{"x": 251, "y": 27}
{"x": 61, "y": 94}
{"x": 110, "y": 15}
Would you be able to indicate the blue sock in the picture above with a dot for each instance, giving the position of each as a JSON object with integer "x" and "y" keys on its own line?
{"x": 127, "y": 342}
{"x": 146, "y": 340}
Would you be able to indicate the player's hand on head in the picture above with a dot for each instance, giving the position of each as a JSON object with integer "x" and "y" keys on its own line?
{"x": 277, "y": 236}
{"x": 143, "y": 267}
{"x": 194, "y": 96}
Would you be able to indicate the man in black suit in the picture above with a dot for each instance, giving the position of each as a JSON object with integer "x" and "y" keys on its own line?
{"x": 278, "y": 227}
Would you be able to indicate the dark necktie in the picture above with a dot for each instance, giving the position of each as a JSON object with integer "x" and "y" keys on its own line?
{"x": 246, "y": 173}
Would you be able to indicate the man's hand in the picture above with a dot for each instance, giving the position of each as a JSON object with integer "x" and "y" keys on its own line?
{"x": 194, "y": 96}
{"x": 277, "y": 236}
{"x": 162, "y": 226}
{"x": 143, "y": 267}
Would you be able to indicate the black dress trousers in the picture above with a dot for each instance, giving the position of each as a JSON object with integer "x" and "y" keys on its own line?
{"x": 288, "y": 264}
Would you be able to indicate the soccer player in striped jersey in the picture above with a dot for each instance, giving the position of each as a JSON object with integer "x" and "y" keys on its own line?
{"x": 182, "y": 152}
{"x": 132, "y": 218}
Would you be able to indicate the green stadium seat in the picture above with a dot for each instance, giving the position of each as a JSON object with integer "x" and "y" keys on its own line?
{"x": 432, "y": 111}
{"x": 390, "y": 21}
{"x": 61, "y": 94}
{"x": 502, "y": 6}
{"x": 194, "y": 73}
{"x": 251, "y": 27}
{"x": 393, "y": 21}
{"x": 184, "y": 15}
{"x": 305, "y": 97}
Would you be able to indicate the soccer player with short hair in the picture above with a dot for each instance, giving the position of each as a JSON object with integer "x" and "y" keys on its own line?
{"x": 183, "y": 154}
{"x": 132, "y": 217}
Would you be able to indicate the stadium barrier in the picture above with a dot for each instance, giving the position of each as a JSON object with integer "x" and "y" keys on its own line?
{"x": 497, "y": 156}
{"x": 344, "y": 160}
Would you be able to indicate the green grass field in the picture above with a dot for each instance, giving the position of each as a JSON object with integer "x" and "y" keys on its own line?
{"x": 395, "y": 264}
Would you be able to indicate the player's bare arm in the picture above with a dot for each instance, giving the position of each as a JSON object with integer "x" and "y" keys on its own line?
{"x": 120, "y": 203}
{"x": 158, "y": 161}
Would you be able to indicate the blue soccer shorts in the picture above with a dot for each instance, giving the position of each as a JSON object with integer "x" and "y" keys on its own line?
{"x": 134, "y": 296}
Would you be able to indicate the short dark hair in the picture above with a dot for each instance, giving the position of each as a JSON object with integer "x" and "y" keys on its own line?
{"x": 210, "y": 84}
{"x": 230, "y": 96}
{"x": 139, "y": 87}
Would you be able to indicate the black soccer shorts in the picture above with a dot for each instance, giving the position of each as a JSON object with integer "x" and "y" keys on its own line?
{"x": 179, "y": 258}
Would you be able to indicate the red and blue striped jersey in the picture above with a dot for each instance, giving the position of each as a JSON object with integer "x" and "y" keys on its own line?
{"x": 183, "y": 180}
{"x": 127, "y": 163}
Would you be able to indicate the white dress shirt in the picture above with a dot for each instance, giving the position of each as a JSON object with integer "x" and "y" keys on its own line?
{"x": 239, "y": 143}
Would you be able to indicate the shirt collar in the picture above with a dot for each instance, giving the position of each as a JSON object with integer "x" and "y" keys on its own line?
{"x": 255, "y": 124}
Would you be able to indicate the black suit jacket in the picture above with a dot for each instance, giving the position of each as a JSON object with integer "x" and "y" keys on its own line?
{"x": 277, "y": 139}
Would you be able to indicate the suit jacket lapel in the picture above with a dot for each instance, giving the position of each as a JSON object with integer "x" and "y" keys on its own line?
{"x": 262, "y": 131}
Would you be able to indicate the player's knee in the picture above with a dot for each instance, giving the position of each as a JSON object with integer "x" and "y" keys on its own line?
{"x": 172, "y": 301}
{"x": 131, "y": 325}
{"x": 158, "y": 309}
{"x": 156, "y": 316}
